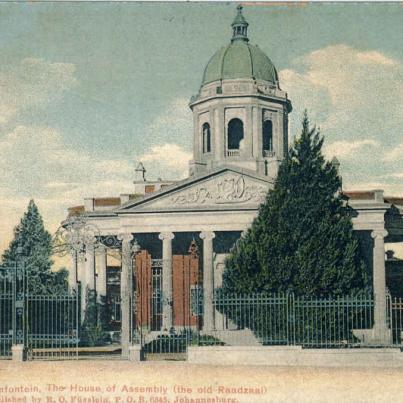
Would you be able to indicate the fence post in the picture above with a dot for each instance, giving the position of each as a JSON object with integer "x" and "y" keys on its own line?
{"x": 18, "y": 352}
{"x": 18, "y": 308}
{"x": 290, "y": 319}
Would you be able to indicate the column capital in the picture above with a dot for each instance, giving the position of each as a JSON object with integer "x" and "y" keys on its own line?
{"x": 379, "y": 233}
{"x": 89, "y": 249}
{"x": 207, "y": 235}
{"x": 125, "y": 237}
{"x": 166, "y": 236}
{"x": 101, "y": 249}
{"x": 90, "y": 242}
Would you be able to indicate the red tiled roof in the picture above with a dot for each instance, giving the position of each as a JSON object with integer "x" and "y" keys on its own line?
{"x": 394, "y": 200}
{"x": 360, "y": 195}
{"x": 76, "y": 210}
{"x": 106, "y": 201}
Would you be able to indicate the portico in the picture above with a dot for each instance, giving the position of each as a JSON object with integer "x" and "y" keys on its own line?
{"x": 231, "y": 211}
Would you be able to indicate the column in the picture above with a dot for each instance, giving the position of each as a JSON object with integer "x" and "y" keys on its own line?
{"x": 248, "y": 132}
{"x": 381, "y": 332}
{"x": 196, "y": 143}
{"x": 90, "y": 266}
{"x": 73, "y": 271}
{"x": 220, "y": 135}
{"x": 255, "y": 132}
{"x": 125, "y": 288}
{"x": 101, "y": 272}
{"x": 83, "y": 284}
{"x": 208, "y": 280}
{"x": 89, "y": 275}
{"x": 166, "y": 238}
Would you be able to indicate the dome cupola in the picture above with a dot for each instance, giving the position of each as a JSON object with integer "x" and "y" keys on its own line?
{"x": 240, "y": 27}
{"x": 240, "y": 59}
{"x": 240, "y": 113}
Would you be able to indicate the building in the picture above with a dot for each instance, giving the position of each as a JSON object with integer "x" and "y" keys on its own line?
{"x": 183, "y": 230}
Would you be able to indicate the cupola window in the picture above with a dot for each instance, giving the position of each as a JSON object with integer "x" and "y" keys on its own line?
{"x": 235, "y": 136}
{"x": 267, "y": 138}
{"x": 206, "y": 138}
{"x": 240, "y": 27}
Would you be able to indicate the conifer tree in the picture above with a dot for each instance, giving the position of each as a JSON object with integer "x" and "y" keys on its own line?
{"x": 31, "y": 249}
{"x": 302, "y": 239}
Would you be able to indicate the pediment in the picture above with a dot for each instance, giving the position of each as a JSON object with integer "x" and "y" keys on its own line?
{"x": 227, "y": 189}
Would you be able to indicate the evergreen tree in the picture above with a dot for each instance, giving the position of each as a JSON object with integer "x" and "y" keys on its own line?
{"x": 302, "y": 239}
{"x": 93, "y": 330}
{"x": 31, "y": 249}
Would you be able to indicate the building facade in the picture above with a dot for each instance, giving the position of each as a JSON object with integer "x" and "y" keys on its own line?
{"x": 171, "y": 238}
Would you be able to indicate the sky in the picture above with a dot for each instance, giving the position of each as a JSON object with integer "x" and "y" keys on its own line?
{"x": 89, "y": 89}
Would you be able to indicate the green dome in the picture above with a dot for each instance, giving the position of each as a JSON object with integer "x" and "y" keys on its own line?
{"x": 240, "y": 60}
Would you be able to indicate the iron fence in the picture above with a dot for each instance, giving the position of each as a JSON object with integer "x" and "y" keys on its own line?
{"x": 52, "y": 325}
{"x": 47, "y": 325}
{"x": 395, "y": 307}
{"x": 276, "y": 319}
{"x": 285, "y": 319}
{"x": 330, "y": 322}
{"x": 6, "y": 313}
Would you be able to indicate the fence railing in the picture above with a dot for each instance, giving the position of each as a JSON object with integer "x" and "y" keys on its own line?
{"x": 52, "y": 325}
{"x": 6, "y": 314}
{"x": 285, "y": 319}
{"x": 46, "y": 324}
{"x": 395, "y": 308}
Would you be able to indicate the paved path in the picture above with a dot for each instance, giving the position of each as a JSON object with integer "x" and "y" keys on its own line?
{"x": 178, "y": 382}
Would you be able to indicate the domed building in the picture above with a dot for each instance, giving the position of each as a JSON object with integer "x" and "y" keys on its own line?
{"x": 240, "y": 112}
{"x": 171, "y": 238}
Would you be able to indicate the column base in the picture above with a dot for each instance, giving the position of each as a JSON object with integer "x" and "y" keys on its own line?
{"x": 18, "y": 352}
{"x": 377, "y": 336}
{"x": 135, "y": 353}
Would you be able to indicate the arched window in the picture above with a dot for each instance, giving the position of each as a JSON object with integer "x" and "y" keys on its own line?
{"x": 235, "y": 134}
{"x": 206, "y": 138}
{"x": 267, "y": 136}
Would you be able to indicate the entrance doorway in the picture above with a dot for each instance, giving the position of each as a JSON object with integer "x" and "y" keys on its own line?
{"x": 157, "y": 342}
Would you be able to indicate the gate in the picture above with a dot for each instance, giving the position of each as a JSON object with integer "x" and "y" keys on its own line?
{"x": 46, "y": 324}
{"x": 157, "y": 342}
{"x": 6, "y": 313}
{"x": 396, "y": 319}
{"x": 52, "y": 324}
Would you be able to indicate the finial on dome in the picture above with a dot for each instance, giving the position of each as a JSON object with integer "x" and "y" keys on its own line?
{"x": 239, "y": 26}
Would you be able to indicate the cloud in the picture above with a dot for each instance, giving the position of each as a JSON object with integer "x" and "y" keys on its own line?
{"x": 355, "y": 96}
{"x": 175, "y": 122}
{"x": 357, "y": 90}
{"x": 36, "y": 163}
{"x": 169, "y": 157}
{"x": 349, "y": 149}
{"x": 376, "y": 58}
{"x": 395, "y": 155}
{"x": 32, "y": 83}
{"x": 163, "y": 156}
